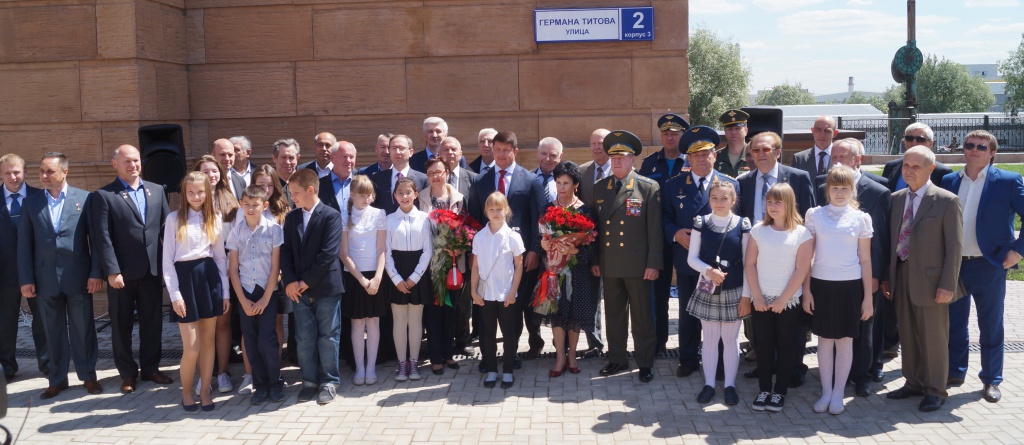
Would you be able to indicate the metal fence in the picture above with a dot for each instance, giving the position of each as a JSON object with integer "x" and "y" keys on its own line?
{"x": 883, "y": 136}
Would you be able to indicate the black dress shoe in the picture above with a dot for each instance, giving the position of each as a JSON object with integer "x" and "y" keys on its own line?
{"x": 706, "y": 395}
{"x": 863, "y": 388}
{"x": 732, "y": 398}
{"x": 612, "y": 369}
{"x": 518, "y": 364}
{"x": 438, "y": 371}
{"x": 592, "y": 353}
{"x": 903, "y": 393}
{"x": 646, "y": 375}
{"x": 532, "y": 354}
{"x": 931, "y": 403}
{"x": 992, "y": 393}
{"x": 752, "y": 374}
{"x": 954, "y": 382}
{"x": 876, "y": 375}
{"x": 685, "y": 371}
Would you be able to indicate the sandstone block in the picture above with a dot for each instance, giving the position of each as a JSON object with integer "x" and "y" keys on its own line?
{"x": 368, "y": 33}
{"x": 260, "y": 34}
{"x": 242, "y": 91}
{"x": 497, "y": 29}
{"x": 574, "y": 129}
{"x": 661, "y": 82}
{"x": 195, "y": 36}
{"x": 115, "y": 30}
{"x": 110, "y": 93}
{"x": 594, "y": 84}
{"x": 30, "y": 37}
{"x": 671, "y": 22}
{"x": 161, "y": 32}
{"x": 80, "y": 142}
{"x": 463, "y": 85}
{"x": 369, "y": 87}
{"x": 47, "y": 95}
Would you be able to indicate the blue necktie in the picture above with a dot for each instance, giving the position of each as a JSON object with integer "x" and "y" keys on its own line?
{"x": 15, "y": 208}
{"x": 764, "y": 194}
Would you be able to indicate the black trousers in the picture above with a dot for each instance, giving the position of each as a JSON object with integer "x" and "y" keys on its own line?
{"x": 259, "y": 333}
{"x": 144, "y": 296}
{"x": 463, "y": 312}
{"x": 440, "y": 322}
{"x": 864, "y": 352}
{"x": 777, "y": 347}
{"x": 10, "y": 308}
{"x": 689, "y": 326}
{"x": 494, "y": 314}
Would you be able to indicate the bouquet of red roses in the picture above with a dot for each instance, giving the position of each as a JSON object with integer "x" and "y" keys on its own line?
{"x": 563, "y": 230}
{"x": 453, "y": 236}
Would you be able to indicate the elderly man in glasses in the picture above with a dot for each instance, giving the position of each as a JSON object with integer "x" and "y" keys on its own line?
{"x": 915, "y": 134}
{"x": 989, "y": 198}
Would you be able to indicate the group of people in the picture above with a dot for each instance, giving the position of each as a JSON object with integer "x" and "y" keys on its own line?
{"x": 856, "y": 258}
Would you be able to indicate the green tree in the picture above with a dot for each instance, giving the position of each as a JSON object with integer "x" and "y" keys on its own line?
{"x": 719, "y": 80}
{"x": 944, "y": 86}
{"x": 1012, "y": 71}
{"x": 786, "y": 94}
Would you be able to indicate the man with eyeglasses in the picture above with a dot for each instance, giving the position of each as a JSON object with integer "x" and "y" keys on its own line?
{"x": 916, "y": 133}
{"x": 400, "y": 149}
{"x": 989, "y": 199}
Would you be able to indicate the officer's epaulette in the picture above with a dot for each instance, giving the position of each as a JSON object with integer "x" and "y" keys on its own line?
{"x": 645, "y": 179}
{"x": 726, "y": 175}
{"x": 684, "y": 170}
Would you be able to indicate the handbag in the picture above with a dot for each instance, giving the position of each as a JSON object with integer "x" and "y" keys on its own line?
{"x": 705, "y": 286}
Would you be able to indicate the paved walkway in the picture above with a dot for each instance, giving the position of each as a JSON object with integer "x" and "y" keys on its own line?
{"x": 455, "y": 408}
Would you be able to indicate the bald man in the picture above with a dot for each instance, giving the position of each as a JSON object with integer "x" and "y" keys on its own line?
{"x": 224, "y": 151}
{"x": 324, "y": 146}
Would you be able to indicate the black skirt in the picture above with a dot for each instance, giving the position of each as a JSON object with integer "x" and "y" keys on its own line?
{"x": 201, "y": 290}
{"x": 358, "y": 304}
{"x": 405, "y": 264}
{"x": 836, "y": 308}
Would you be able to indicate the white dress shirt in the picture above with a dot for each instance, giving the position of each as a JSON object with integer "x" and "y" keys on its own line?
{"x": 196, "y": 245}
{"x": 320, "y": 173}
{"x": 408, "y": 232}
{"x": 394, "y": 175}
{"x": 970, "y": 198}
{"x": 495, "y": 257}
{"x": 246, "y": 174}
{"x": 602, "y": 171}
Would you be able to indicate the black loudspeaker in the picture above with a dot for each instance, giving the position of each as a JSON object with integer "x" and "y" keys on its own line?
{"x": 162, "y": 148}
{"x": 763, "y": 119}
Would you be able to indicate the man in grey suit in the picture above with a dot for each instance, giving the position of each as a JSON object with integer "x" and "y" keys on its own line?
{"x": 594, "y": 171}
{"x": 56, "y": 270}
{"x": 12, "y": 167}
{"x": 816, "y": 160}
{"x": 461, "y": 178}
{"x": 924, "y": 268}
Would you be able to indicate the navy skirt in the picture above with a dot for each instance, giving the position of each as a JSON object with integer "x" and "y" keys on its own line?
{"x": 405, "y": 264}
{"x": 201, "y": 290}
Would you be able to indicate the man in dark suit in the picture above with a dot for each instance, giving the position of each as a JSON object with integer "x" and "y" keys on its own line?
{"x": 224, "y": 151}
{"x": 323, "y": 146}
{"x": 683, "y": 198}
{"x": 435, "y": 130}
{"x": 594, "y": 171}
{"x": 311, "y": 272}
{"x": 382, "y": 156}
{"x": 817, "y": 159}
{"x": 915, "y": 134}
{"x": 126, "y": 219}
{"x": 765, "y": 148}
{"x": 659, "y": 167}
{"x": 400, "y": 148}
{"x": 12, "y": 167}
{"x": 549, "y": 154}
{"x": 484, "y": 144}
{"x": 56, "y": 269}
{"x": 461, "y": 177}
{"x": 875, "y": 199}
{"x": 989, "y": 197}
{"x": 630, "y": 246}
{"x": 924, "y": 269}
{"x": 526, "y": 199}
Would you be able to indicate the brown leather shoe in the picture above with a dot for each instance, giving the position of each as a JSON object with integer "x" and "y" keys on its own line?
{"x": 52, "y": 391}
{"x": 128, "y": 385}
{"x": 158, "y": 378}
{"x": 93, "y": 387}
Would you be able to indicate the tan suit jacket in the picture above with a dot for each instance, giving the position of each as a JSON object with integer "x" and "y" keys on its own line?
{"x": 586, "y": 191}
{"x": 936, "y": 243}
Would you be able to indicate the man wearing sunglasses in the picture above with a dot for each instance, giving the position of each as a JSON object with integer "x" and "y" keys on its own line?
{"x": 989, "y": 198}
{"x": 916, "y": 133}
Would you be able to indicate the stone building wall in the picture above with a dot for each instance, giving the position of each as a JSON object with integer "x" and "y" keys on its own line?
{"x": 81, "y": 76}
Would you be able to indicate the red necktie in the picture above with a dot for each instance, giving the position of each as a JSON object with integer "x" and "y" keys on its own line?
{"x": 501, "y": 181}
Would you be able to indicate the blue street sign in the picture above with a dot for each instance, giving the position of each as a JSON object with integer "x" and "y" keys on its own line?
{"x": 593, "y": 25}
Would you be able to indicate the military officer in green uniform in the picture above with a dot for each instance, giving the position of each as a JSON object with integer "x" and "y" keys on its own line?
{"x": 732, "y": 158}
{"x": 630, "y": 244}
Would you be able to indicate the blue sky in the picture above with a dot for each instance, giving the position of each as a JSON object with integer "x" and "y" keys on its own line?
{"x": 820, "y": 43}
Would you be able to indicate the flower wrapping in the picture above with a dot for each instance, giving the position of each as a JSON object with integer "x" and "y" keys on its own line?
{"x": 562, "y": 230}
{"x": 453, "y": 236}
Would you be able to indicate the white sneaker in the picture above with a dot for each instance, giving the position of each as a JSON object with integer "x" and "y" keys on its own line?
{"x": 246, "y": 386}
{"x": 224, "y": 383}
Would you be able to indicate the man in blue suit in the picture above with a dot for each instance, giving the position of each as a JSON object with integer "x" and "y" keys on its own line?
{"x": 16, "y": 192}
{"x": 527, "y": 199}
{"x": 56, "y": 270}
{"x": 683, "y": 198}
{"x": 989, "y": 198}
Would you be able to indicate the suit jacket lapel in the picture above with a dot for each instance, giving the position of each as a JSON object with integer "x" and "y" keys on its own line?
{"x": 927, "y": 202}
{"x": 121, "y": 191}
{"x": 990, "y": 179}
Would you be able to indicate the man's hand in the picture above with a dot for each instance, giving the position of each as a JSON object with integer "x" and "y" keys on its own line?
{"x": 595, "y": 270}
{"x": 1012, "y": 258}
{"x": 28, "y": 291}
{"x": 116, "y": 281}
{"x": 94, "y": 285}
{"x": 943, "y": 296}
{"x": 885, "y": 290}
{"x": 303, "y": 287}
{"x": 651, "y": 274}
{"x": 532, "y": 261}
{"x": 292, "y": 291}
{"x": 682, "y": 237}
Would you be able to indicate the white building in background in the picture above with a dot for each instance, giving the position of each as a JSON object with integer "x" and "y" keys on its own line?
{"x": 995, "y": 82}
